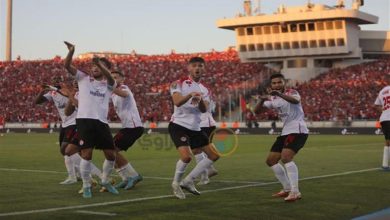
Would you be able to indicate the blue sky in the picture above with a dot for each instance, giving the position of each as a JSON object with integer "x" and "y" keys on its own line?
{"x": 147, "y": 26}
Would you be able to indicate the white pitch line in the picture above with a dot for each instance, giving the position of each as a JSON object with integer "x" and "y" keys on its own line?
{"x": 169, "y": 196}
{"x": 96, "y": 213}
{"x": 32, "y": 171}
{"x": 346, "y": 145}
{"x": 146, "y": 177}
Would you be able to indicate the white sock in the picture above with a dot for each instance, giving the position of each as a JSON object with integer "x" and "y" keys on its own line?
{"x": 122, "y": 173}
{"x": 108, "y": 166}
{"x": 199, "y": 168}
{"x": 76, "y": 159}
{"x": 85, "y": 171}
{"x": 281, "y": 175}
{"x": 385, "y": 162}
{"x": 198, "y": 158}
{"x": 69, "y": 167}
{"x": 292, "y": 173}
{"x": 180, "y": 170}
{"x": 76, "y": 162}
{"x": 96, "y": 171}
{"x": 127, "y": 171}
{"x": 130, "y": 170}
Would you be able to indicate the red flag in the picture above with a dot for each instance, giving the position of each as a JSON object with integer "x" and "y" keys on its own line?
{"x": 242, "y": 103}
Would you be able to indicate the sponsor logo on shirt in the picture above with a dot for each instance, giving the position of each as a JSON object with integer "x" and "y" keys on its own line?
{"x": 96, "y": 93}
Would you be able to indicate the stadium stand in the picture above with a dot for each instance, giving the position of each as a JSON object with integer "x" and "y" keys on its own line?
{"x": 338, "y": 95}
{"x": 146, "y": 75}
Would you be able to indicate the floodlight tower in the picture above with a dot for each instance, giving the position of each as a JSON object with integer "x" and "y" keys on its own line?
{"x": 8, "y": 50}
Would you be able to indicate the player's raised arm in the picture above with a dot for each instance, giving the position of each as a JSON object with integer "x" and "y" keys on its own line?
{"x": 104, "y": 70}
{"x": 260, "y": 104}
{"x": 40, "y": 97}
{"x": 68, "y": 60}
{"x": 120, "y": 90}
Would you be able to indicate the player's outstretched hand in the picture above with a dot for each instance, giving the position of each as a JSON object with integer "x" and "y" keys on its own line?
{"x": 70, "y": 46}
{"x": 275, "y": 93}
{"x": 264, "y": 97}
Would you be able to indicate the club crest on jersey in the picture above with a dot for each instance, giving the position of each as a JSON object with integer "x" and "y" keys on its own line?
{"x": 183, "y": 138}
{"x": 189, "y": 83}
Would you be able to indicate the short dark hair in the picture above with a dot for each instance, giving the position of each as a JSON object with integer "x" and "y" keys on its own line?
{"x": 106, "y": 62}
{"x": 276, "y": 75}
{"x": 196, "y": 60}
{"x": 118, "y": 72}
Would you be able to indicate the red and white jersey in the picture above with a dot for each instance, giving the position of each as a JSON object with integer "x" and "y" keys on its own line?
{"x": 188, "y": 115}
{"x": 60, "y": 102}
{"x": 94, "y": 97}
{"x": 126, "y": 109}
{"x": 292, "y": 115}
{"x": 207, "y": 119}
{"x": 383, "y": 100}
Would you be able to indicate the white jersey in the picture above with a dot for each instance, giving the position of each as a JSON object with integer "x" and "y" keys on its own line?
{"x": 188, "y": 115}
{"x": 207, "y": 119}
{"x": 126, "y": 109}
{"x": 94, "y": 97}
{"x": 383, "y": 100}
{"x": 292, "y": 115}
{"x": 60, "y": 102}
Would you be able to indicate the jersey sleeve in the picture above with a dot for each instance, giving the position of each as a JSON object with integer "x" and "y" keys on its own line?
{"x": 206, "y": 95}
{"x": 175, "y": 87}
{"x": 378, "y": 101}
{"x": 268, "y": 104}
{"x": 80, "y": 75}
{"x": 48, "y": 96}
{"x": 125, "y": 89}
{"x": 295, "y": 94}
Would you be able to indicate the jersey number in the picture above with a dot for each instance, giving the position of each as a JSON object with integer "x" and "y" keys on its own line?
{"x": 386, "y": 103}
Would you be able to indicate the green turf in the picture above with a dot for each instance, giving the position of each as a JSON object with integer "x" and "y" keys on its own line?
{"x": 339, "y": 197}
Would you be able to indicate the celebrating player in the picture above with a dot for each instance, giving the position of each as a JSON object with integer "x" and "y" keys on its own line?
{"x": 132, "y": 129}
{"x": 59, "y": 97}
{"x": 207, "y": 125}
{"x": 294, "y": 135}
{"x": 383, "y": 104}
{"x": 191, "y": 99}
{"x": 95, "y": 91}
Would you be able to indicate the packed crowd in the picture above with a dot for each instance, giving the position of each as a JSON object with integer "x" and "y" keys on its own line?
{"x": 338, "y": 95}
{"x": 345, "y": 94}
{"x": 149, "y": 78}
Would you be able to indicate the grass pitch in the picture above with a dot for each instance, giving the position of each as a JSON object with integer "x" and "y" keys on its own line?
{"x": 31, "y": 168}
